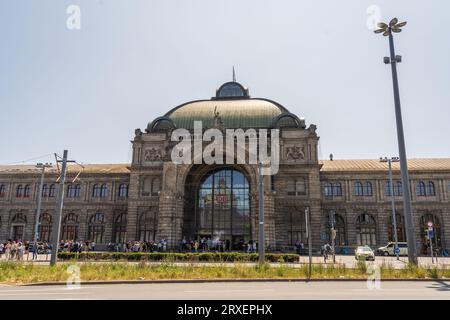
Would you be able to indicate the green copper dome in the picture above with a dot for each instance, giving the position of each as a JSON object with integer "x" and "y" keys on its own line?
{"x": 233, "y": 106}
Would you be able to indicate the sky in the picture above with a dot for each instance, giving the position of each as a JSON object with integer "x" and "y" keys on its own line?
{"x": 87, "y": 89}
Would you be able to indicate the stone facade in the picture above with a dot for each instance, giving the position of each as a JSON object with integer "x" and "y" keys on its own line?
{"x": 153, "y": 198}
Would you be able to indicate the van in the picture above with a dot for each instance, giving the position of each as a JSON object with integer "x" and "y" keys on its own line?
{"x": 389, "y": 249}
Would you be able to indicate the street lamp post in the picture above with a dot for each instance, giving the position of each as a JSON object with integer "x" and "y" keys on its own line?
{"x": 333, "y": 235}
{"x": 41, "y": 166}
{"x": 387, "y": 30}
{"x": 261, "y": 240}
{"x": 391, "y": 187}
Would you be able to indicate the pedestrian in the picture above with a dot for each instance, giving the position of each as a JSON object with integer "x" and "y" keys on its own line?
{"x": 35, "y": 250}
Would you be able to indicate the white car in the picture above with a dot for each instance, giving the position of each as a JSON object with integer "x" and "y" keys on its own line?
{"x": 364, "y": 253}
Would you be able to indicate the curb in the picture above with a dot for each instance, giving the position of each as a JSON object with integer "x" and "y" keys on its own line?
{"x": 167, "y": 281}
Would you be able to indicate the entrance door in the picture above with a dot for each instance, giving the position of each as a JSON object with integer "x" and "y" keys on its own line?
{"x": 223, "y": 207}
{"x": 17, "y": 232}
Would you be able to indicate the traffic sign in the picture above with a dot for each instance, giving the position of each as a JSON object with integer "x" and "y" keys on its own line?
{"x": 397, "y": 250}
{"x": 430, "y": 234}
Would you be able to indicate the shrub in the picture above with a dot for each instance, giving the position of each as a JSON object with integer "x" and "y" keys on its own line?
{"x": 177, "y": 257}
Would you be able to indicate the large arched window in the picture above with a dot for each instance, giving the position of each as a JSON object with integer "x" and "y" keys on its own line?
{"x": 223, "y": 207}
{"x": 147, "y": 225}
{"x": 366, "y": 230}
{"x": 70, "y": 227}
{"x": 436, "y": 240}
{"x": 45, "y": 227}
{"x": 2, "y": 191}
{"x": 96, "y": 227}
{"x": 401, "y": 234}
{"x": 328, "y": 190}
{"x": 120, "y": 228}
{"x": 420, "y": 189}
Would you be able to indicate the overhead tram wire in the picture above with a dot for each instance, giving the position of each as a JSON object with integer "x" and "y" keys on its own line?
{"x": 28, "y": 160}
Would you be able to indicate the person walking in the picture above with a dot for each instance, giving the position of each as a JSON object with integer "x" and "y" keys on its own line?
{"x": 34, "y": 250}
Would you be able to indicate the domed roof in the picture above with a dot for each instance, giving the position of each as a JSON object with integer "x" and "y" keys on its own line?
{"x": 234, "y": 107}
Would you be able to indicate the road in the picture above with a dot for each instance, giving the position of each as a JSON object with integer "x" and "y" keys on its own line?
{"x": 237, "y": 290}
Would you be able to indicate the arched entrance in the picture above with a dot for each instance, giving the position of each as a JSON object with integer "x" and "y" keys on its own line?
{"x": 218, "y": 207}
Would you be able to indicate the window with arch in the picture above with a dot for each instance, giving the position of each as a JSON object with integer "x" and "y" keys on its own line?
{"x": 44, "y": 192}
{"x": 52, "y": 191}
{"x": 70, "y": 227}
{"x": 120, "y": 228}
{"x": 368, "y": 190}
{"x": 431, "y": 189}
{"x": 420, "y": 189}
{"x": 19, "y": 191}
{"x": 27, "y": 191}
{"x": 366, "y": 230}
{"x": 337, "y": 189}
{"x": 436, "y": 240}
{"x": 18, "y": 223}
{"x": 96, "y": 227}
{"x": 123, "y": 190}
{"x": 96, "y": 191}
{"x": 363, "y": 189}
{"x": 45, "y": 227}
{"x": 398, "y": 190}
{"x": 359, "y": 189}
{"x": 401, "y": 233}
{"x": 103, "y": 191}
{"x": 2, "y": 191}
{"x": 148, "y": 225}
{"x": 333, "y": 189}
{"x": 73, "y": 191}
{"x": 339, "y": 226}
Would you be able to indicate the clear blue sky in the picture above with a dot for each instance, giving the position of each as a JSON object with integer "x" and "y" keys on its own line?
{"x": 131, "y": 61}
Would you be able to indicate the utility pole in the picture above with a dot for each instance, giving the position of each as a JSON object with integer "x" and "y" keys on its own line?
{"x": 261, "y": 240}
{"x": 394, "y": 218}
{"x": 333, "y": 236}
{"x": 59, "y": 208}
{"x": 387, "y": 30}
{"x": 41, "y": 166}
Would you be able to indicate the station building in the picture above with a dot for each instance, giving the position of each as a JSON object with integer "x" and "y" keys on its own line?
{"x": 153, "y": 198}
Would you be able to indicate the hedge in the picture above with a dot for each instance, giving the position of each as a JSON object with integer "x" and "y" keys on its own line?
{"x": 178, "y": 257}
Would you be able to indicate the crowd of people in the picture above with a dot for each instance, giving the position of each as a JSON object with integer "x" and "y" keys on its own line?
{"x": 139, "y": 246}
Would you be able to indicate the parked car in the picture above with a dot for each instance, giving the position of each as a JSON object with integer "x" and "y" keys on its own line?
{"x": 389, "y": 249}
{"x": 364, "y": 253}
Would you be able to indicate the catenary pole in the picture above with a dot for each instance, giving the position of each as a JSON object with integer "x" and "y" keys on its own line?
{"x": 59, "y": 209}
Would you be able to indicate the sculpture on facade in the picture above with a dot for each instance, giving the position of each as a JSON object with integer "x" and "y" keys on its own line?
{"x": 295, "y": 153}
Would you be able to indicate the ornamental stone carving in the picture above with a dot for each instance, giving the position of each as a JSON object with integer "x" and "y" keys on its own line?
{"x": 295, "y": 153}
{"x": 152, "y": 154}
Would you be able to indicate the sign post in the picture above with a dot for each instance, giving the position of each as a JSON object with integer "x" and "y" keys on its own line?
{"x": 430, "y": 237}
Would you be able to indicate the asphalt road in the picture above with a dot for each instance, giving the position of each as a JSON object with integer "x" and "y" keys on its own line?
{"x": 237, "y": 290}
